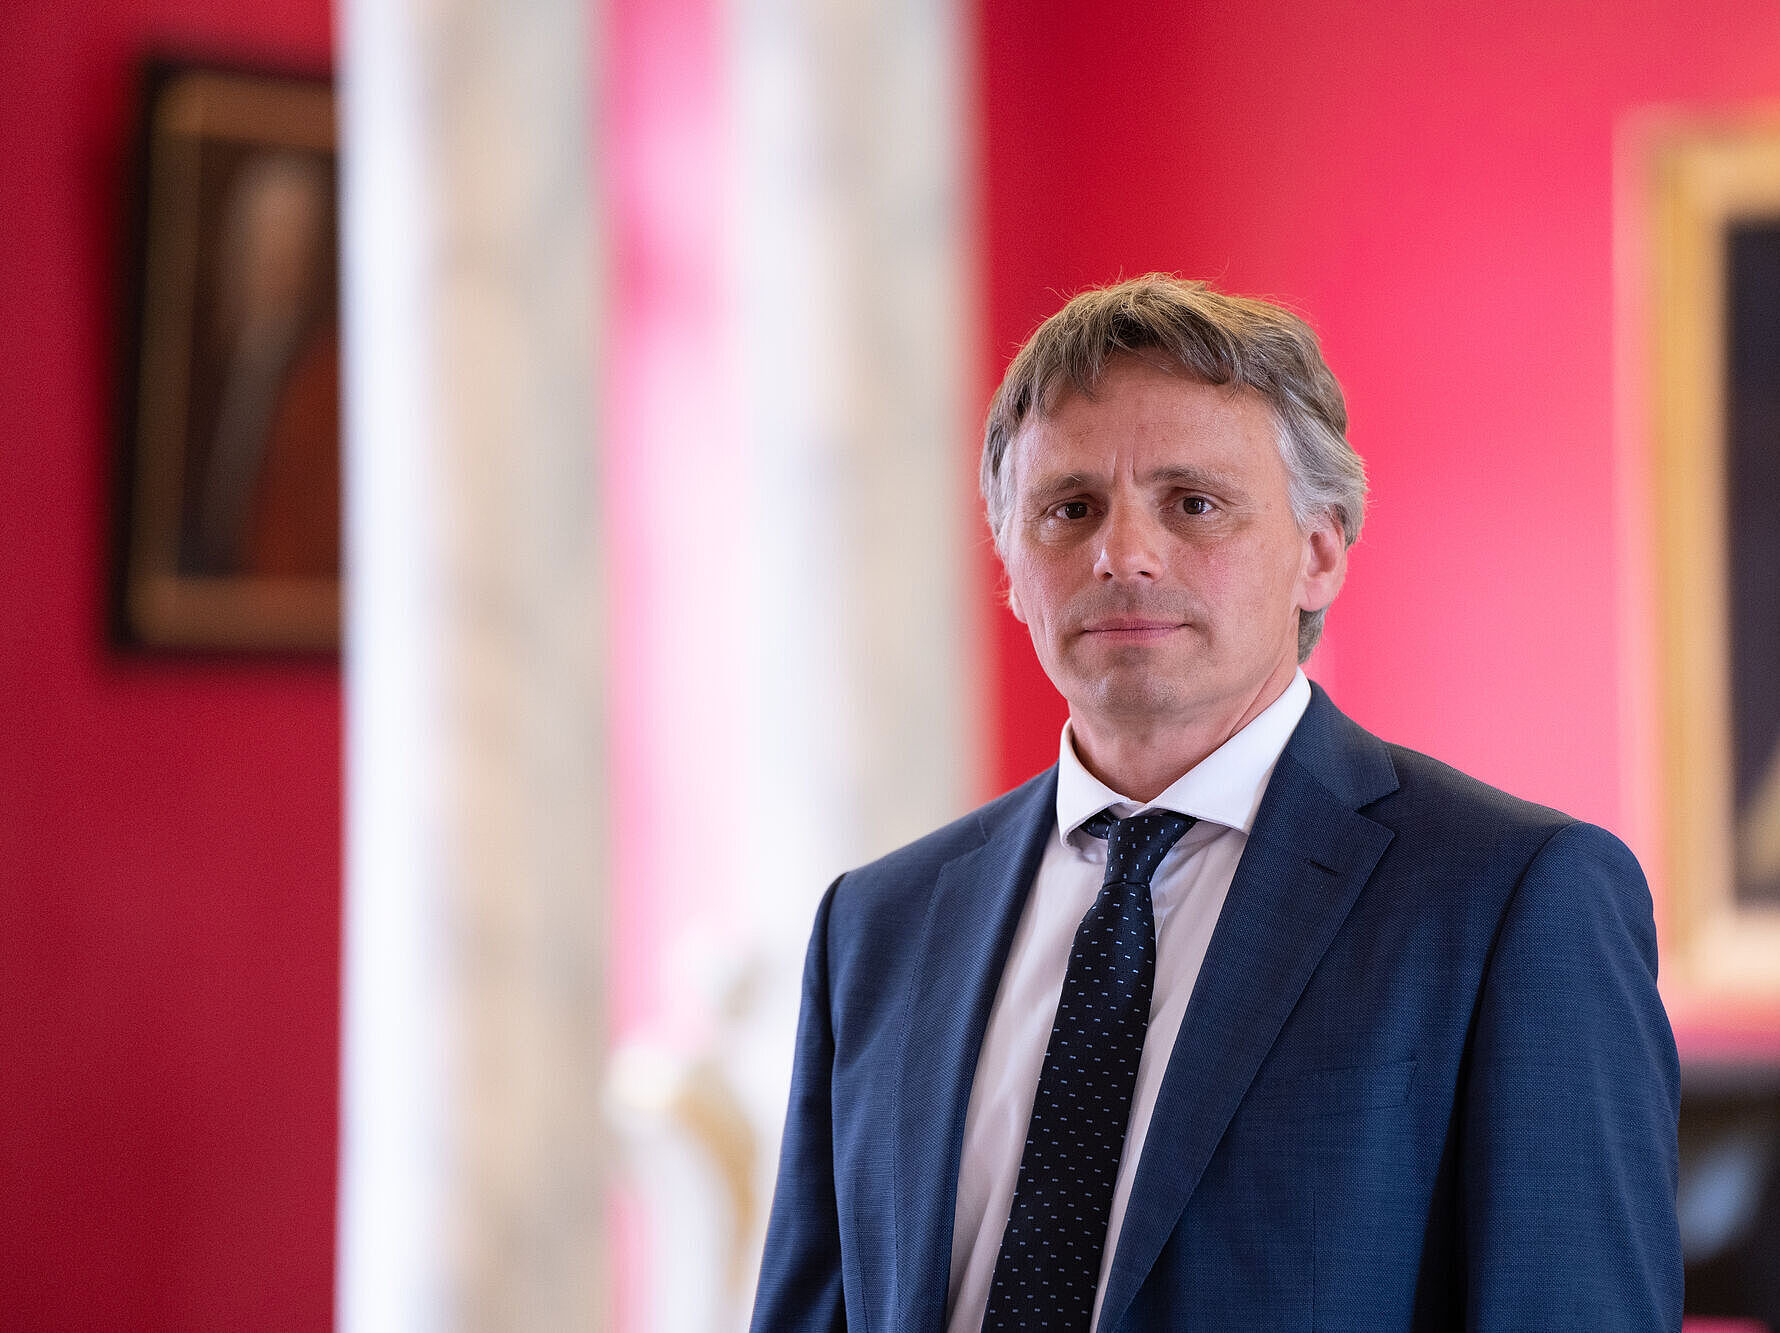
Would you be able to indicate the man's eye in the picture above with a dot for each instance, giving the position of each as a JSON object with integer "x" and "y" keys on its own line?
{"x": 1196, "y": 504}
{"x": 1072, "y": 509}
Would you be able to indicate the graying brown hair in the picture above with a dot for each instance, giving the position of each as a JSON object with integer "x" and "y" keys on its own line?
{"x": 1220, "y": 339}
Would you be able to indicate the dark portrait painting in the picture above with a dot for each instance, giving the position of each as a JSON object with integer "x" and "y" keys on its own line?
{"x": 1752, "y": 501}
{"x": 232, "y": 525}
{"x": 1714, "y": 374}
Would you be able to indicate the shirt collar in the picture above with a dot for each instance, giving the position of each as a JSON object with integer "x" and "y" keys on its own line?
{"x": 1223, "y": 788}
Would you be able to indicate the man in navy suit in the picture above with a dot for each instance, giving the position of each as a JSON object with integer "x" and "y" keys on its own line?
{"x": 1401, "y": 1062}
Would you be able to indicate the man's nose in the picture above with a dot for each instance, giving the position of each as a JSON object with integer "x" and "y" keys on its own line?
{"x": 1130, "y": 546}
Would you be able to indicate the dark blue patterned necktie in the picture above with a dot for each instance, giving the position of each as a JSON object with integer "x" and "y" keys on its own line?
{"x": 1049, "y": 1264}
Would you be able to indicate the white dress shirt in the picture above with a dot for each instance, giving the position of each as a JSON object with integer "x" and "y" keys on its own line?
{"x": 1223, "y": 792}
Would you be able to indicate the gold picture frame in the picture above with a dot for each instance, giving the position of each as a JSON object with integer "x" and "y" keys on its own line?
{"x": 1712, "y": 189}
{"x": 230, "y": 531}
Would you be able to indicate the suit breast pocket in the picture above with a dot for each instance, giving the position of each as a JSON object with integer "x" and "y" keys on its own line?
{"x": 1314, "y": 1094}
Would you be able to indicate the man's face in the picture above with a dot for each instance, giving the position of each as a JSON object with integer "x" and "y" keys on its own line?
{"x": 1153, "y": 554}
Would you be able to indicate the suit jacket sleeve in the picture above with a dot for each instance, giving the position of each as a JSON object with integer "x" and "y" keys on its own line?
{"x": 1568, "y": 1118}
{"x": 800, "y": 1272}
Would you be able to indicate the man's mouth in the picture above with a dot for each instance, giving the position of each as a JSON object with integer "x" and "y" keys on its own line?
{"x": 1130, "y": 627}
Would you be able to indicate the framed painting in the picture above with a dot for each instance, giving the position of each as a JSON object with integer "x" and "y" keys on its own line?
{"x": 230, "y": 531}
{"x": 1715, "y": 251}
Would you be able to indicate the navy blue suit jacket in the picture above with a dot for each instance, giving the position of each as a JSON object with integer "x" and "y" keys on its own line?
{"x": 1424, "y": 1080}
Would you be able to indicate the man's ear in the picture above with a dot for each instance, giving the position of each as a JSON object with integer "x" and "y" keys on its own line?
{"x": 1325, "y": 565}
{"x": 1013, "y": 604}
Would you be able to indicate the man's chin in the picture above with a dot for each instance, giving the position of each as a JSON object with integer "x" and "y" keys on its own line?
{"x": 1136, "y": 698}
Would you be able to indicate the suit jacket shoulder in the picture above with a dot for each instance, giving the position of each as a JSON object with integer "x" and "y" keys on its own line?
{"x": 1442, "y": 795}
{"x": 1455, "y": 830}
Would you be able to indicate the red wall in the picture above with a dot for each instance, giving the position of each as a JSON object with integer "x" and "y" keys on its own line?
{"x": 169, "y": 830}
{"x": 1433, "y": 185}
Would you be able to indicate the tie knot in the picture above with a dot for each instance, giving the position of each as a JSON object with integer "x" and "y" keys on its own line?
{"x": 1136, "y": 846}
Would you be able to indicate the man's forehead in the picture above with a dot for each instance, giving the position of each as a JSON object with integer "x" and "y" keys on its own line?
{"x": 1089, "y": 382}
{"x": 1236, "y": 421}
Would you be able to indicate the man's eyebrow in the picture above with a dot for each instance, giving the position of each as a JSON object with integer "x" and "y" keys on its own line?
{"x": 1197, "y": 478}
{"x": 1065, "y": 481}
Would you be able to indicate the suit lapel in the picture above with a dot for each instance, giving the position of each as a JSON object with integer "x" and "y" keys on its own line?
{"x": 1305, "y": 863}
{"x": 970, "y": 924}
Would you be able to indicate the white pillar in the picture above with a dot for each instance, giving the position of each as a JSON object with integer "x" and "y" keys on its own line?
{"x": 796, "y": 597}
{"x": 471, "y": 1152}
{"x": 855, "y": 328}
{"x": 856, "y": 324}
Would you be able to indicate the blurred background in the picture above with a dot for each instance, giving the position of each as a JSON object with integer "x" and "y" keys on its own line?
{"x": 665, "y": 329}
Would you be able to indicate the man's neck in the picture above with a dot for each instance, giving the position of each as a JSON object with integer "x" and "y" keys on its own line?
{"x": 1143, "y": 757}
